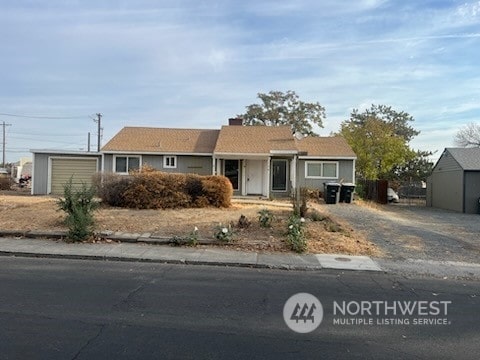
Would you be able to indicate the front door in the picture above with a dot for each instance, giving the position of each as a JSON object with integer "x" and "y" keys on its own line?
{"x": 279, "y": 175}
{"x": 254, "y": 174}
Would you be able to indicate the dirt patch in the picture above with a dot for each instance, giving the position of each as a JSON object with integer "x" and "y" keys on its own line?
{"x": 324, "y": 236}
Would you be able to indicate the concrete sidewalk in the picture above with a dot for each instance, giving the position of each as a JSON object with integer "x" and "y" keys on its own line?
{"x": 138, "y": 251}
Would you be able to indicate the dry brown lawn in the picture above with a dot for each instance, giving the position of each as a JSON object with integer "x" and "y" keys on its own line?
{"x": 39, "y": 213}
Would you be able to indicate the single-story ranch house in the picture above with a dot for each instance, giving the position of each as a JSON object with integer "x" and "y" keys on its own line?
{"x": 259, "y": 160}
{"x": 455, "y": 181}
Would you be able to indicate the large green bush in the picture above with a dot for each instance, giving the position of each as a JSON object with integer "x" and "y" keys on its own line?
{"x": 151, "y": 189}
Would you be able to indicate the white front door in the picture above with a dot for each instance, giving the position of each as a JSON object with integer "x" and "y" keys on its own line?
{"x": 254, "y": 174}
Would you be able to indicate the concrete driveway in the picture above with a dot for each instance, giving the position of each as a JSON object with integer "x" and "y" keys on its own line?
{"x": 414, "y": 232}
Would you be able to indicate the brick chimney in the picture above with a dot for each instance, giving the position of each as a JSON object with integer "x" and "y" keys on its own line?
{"x": 235, "y": 121}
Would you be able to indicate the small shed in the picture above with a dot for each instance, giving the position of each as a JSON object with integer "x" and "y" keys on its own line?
{"x": 455, "y": 181}
{"x": 51, "y": 170}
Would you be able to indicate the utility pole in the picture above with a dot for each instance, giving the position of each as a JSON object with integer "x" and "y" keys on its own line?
{"x": 99, "y": 130}
{"x": 88, "y": 142}
{"x": 4, "y": 142}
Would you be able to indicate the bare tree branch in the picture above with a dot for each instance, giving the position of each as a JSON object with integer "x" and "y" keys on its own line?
{"x": 468, "y": 136}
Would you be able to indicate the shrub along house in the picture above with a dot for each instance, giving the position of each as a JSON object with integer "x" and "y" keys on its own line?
{"x": 258, "y": 160}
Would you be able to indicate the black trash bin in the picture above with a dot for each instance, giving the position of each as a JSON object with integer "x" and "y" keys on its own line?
{"x": 331, "y": 192}
{"x": 346, "y": 192}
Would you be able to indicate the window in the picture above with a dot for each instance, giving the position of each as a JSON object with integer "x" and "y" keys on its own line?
{"x": 125, "y": 164}
{"x": 232, "y": 169}
{"x": 170, "y": 162}
{"x": 321, "y": 170}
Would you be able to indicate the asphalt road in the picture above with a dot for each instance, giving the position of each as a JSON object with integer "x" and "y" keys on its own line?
{"x": 71, "y": 309}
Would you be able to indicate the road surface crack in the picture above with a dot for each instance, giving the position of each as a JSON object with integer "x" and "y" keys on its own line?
{"x": 129, "y": 297}
{"x": 92, "y": 339}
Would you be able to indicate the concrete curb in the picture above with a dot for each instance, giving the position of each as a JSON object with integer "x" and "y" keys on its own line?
{"x": 137, "y": 247}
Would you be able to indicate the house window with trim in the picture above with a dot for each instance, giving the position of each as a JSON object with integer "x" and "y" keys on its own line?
{"x": 321, "y": 170}
{"x": 125, "y": 164}
{"x": 169, "y": 162}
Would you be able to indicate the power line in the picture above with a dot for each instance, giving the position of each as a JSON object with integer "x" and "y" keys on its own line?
{"x": 45, "y": 117}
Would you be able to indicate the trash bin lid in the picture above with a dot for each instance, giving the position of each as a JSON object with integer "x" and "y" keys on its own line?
{"x": 348, "y": 184}
{"x": 332, "y": 184}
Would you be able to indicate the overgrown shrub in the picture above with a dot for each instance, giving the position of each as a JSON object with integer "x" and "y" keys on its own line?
{"x": 296, "y": 237}
{"x": 152, "y": 189}
{"x": 111, "y": 187}
{"x": 79, "y": 205}
{"x": 218, "y": 190}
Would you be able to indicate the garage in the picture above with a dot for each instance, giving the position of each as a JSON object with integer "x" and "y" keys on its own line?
{"x": 52, "y": 170}
{"x": 80, "y": 170}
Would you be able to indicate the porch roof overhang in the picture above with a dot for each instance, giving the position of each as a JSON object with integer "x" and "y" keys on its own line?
{"x": 284, "y": 152}
{"x": 220, "y": 155}
{"x": 317, "y": 157}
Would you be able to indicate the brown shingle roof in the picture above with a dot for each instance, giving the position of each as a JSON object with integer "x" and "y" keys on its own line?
{"x": 325, "y": 146}
{"x": 146, "y": 139}
{"x": 254, "y": 139}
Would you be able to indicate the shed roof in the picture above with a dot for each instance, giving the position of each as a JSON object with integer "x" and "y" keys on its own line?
{"x": 467, "y": 158}
{"x": 163, "y": 140}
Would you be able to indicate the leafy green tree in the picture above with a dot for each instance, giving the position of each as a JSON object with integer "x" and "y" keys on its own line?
{"x": 278, "y": 108}
{"x": 398, "y": 120}
{"x": 416, "y": 169}
{"x": 379, "y": 149}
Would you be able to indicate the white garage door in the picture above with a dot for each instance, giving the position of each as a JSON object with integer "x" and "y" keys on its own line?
{"x": 80, "y": 170}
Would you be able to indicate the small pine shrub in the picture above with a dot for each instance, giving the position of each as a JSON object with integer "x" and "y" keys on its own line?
{"x": 79, "y": 205}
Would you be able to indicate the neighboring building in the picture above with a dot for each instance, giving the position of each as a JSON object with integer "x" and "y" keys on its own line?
{"x": 258, "y": 160}
{"x": 455, "y": 181}
{"x": 22, "y": 169}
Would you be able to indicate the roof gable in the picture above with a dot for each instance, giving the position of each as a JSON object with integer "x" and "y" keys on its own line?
{"x": 467, "y": 158}
{"x": 331, "y": 146}
{"x": 254, "y": 140}
{"x": 162, "y": 140}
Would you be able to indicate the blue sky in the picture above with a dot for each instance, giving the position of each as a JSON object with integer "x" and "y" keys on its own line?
{"x": 197, "y": 63}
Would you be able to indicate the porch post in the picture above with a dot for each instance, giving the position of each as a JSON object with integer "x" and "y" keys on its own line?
{"x": 294, "y": 173}
{"x": 267, "y": 185}
{"x": 244, "y": 176}
{"x": 214, "y": 166}
{"x": 353, "y": 171}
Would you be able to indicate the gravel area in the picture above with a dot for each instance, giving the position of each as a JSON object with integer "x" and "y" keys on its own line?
{"x": 413, "y": 232}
